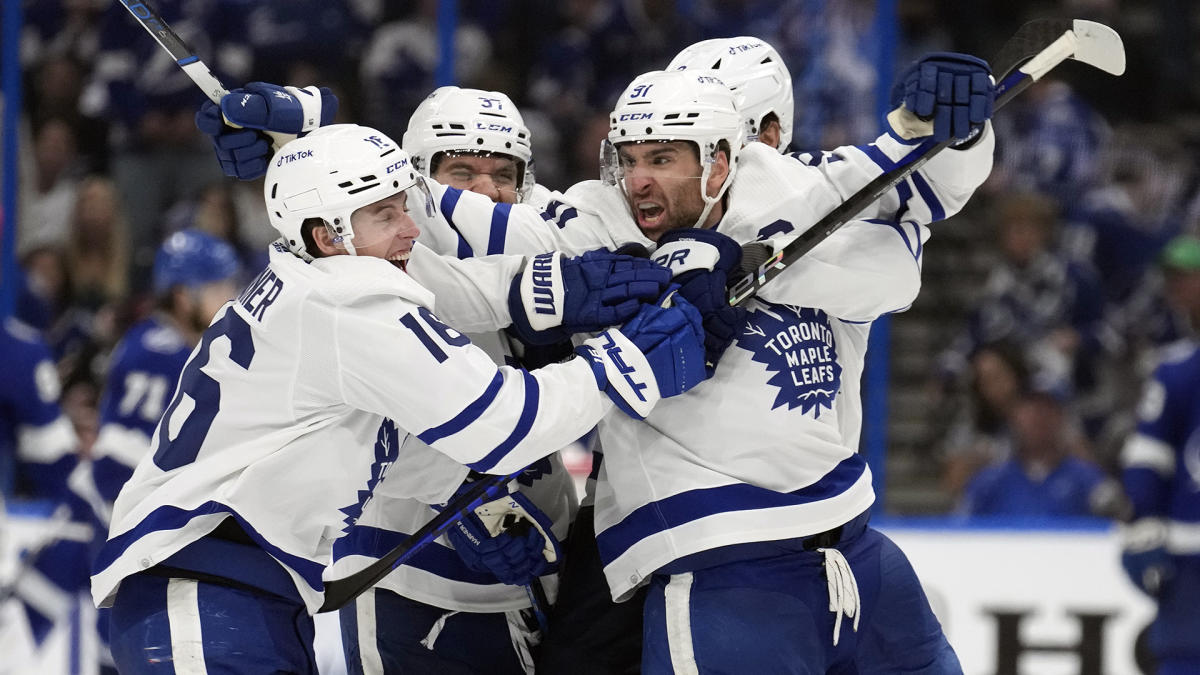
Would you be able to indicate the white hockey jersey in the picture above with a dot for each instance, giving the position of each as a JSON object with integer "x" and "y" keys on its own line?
{"x": 302, "y": 396}
{"x": 766, "y": 450}
{"x": 436, "y": 575}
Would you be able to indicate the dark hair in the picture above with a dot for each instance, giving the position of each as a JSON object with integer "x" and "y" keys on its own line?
{"x": 767, "y": 119}
{"x": 306, "y": 233}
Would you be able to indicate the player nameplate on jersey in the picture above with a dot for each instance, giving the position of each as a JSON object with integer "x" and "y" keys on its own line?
{"x": 797, "y": 346}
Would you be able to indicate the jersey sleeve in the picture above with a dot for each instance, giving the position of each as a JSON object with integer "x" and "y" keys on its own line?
{"x": 1149, "y": 456}
{"x": 467, "y": 225}
{"x": 472, "y": 294}
{"x": 865, "y": 269}
{"x": 432, "y": 381}
{"x": 935, "y": 192}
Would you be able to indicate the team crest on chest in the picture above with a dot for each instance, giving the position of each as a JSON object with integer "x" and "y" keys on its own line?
{"x": 387, "y": 450}
{"x": 796, "y": 344}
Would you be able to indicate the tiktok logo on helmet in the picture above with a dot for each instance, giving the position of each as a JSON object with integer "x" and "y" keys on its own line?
{"x": 797, "y": 346}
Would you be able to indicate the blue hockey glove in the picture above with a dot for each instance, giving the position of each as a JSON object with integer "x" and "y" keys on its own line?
{"x": 556, "y": 297}
{"x": 287, "y": 110}
{"x": 244, "y": 152}
{"x": 1144, "y": 555}
{"x": 658, "y": 353}
{"x": 508, "y": 537}
{"x": 953, "y": 90}
{"x": 701, "y": 261}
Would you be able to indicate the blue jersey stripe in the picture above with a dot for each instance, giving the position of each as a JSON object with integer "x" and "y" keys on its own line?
{"x": 499, "y": 228}
{"x": 915, "y": 250}
{"x": 904, "y": 192}
{"x": 936, "y": 210}
{"x": 449, "y": 202}
{"x": 686, "y": 507}
{"x": 173, "y": 518}
{"x": 524, "y": 424}
{"x": 876, "y": 155}
{"x": 469, "y": 414}
{"x": 436, "y": 559}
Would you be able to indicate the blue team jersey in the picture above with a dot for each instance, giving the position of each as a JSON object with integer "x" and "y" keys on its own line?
{"x": 142, "y": 375}
{"x": 1006, "y": 489}
{"x": 33, "y": 434}
{"x": 1161, "y": 460}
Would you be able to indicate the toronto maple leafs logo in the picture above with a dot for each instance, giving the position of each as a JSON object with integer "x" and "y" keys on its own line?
{"x": 797, "y": 346}
{"x": 281, "y": 95}
{"x": 387, "y": 449}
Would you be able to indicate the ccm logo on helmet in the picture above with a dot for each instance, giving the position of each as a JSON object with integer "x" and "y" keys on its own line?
{"x": 492, "y": 126}
{"x": 293, "y": 156}
{"x": 398, "y": 165}
{"x": 630, "y": 117}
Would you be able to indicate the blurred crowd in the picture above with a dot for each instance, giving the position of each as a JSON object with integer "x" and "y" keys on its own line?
{"x": 1094, "y": 178}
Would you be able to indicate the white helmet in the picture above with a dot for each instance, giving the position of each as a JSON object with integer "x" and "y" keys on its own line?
{"x": 754, "y": 71}
{"x": 452, "y": 119}
{"x": 676, "y": 106}
{"x": 331, "y": 172}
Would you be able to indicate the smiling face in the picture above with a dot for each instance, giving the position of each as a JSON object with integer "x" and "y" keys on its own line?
{"x": 382, "y": 229}
{"x": 662, "y": 183}
{"x": 495, "y": 176}
{"x": 385, "y": 230}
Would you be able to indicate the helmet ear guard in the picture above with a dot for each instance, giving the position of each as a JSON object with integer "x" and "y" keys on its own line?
{"x": 329, "y": 174}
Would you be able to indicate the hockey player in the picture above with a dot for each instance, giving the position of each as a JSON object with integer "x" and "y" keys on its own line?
{"x": 220, "y": 538}
{"x": 194, "y": 274}
{"x": 38, "y": 446}
{"x": 676, "y": 149}
{"x": 760, "y": 81}
{"x": 1161, "y": 462}
{"x": 475, "y": 141}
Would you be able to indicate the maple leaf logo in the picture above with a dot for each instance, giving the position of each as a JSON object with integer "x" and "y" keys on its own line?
{"x": 797, "y": 345}
{"x": 387, "y": 449}
{"x": 280, "y": 94}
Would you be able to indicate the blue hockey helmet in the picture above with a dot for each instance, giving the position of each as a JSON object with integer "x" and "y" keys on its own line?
{"x": 193, "y": 257}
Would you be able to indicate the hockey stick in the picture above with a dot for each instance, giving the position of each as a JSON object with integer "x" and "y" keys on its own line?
{"x": 339, "y": 592}
{"x": 1035, "y": 49}
{"x": 186, "y": 58}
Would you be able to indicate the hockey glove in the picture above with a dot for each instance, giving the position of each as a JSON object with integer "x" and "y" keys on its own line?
{"x": 244, "y": 152}
{"x": 953, "y": 90}
{"x": 1144, "y": 555}
{"x": 556, "y": 297}
{"x": 659, "y": 353}
{"x": 508, "y": 537}
{"x": 702, "y": 261}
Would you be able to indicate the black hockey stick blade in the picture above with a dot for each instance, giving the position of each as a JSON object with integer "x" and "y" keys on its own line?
{"x": 1034, "y": 50}
{"x": 340, "y": 592}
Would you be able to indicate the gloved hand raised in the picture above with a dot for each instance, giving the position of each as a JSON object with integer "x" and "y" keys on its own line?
{"x": 555, "y": 296}
{"x": 701, "y": 261}
{"x": 953, "y": 90}
{"x": 659, "y": 353}
{"x": 237, "y": 127}
{"x": 509, "y": 537}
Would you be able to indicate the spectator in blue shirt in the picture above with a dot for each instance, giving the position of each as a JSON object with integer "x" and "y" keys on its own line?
{"x": 1043, "y": 477}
